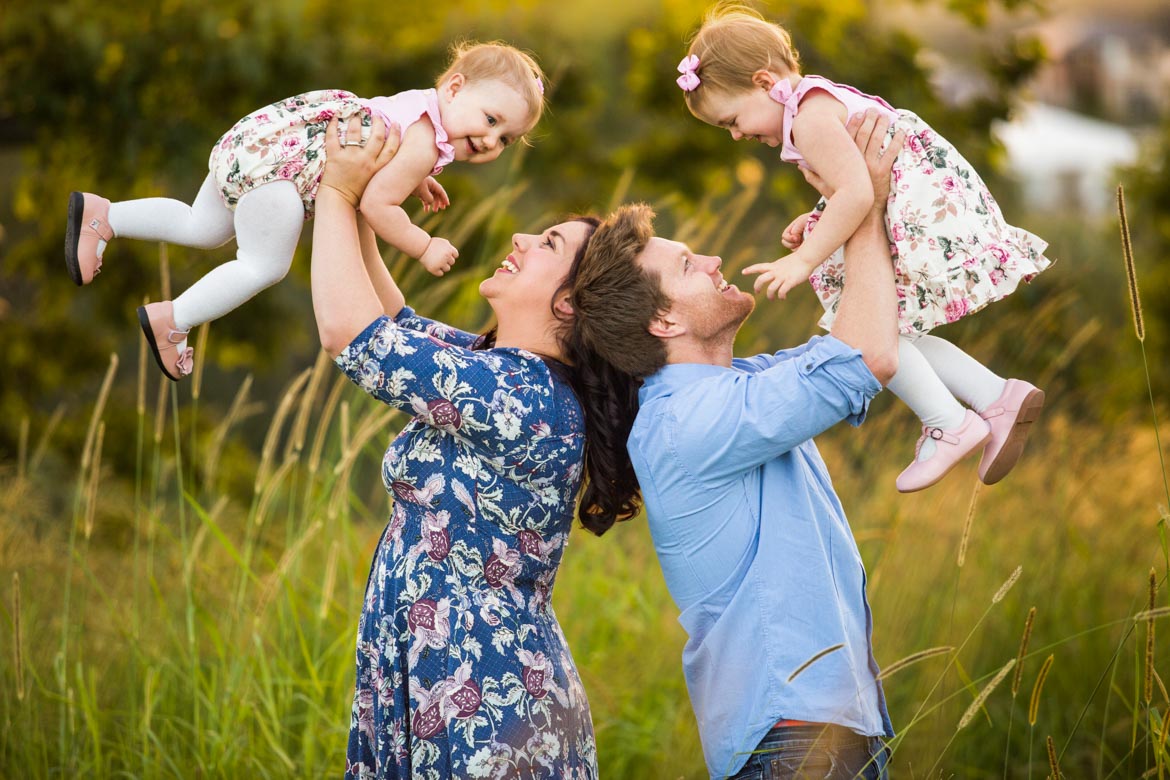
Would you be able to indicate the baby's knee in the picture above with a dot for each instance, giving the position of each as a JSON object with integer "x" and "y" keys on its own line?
{"x": 266, "y": 270}
{"x": 213, "y": 240}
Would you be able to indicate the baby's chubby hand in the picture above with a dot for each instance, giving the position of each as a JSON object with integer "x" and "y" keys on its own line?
{"x": 432, "y": 195}
{"x": 781, "y": 275}
{"x": 439, "y": 256}
{"x": 793, "y": 235}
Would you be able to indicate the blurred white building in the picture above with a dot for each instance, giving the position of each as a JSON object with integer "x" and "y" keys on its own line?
{"x": 1065, "y": 161}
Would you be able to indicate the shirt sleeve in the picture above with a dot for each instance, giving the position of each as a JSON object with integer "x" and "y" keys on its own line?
{"x": 408, "y": 318}
{"x": 766, "y": 360}
{"x": 483, "y": 397}
{"x": 737, "y": 421}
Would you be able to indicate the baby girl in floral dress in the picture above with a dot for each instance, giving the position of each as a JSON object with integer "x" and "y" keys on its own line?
{"x": 953, "y": 252}
{"x": 264, "y": 174}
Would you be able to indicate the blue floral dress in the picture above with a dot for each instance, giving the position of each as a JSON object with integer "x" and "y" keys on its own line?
{"x": 462, "y": 669}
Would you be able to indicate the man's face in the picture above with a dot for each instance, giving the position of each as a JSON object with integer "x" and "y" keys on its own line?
{"x": 703, "y": 304}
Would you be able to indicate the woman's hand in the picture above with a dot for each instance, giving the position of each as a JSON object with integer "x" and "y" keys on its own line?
{"x": 350, "y": 166}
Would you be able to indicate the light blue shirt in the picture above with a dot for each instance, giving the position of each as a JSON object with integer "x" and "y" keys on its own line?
{"x": 754, "y": 544}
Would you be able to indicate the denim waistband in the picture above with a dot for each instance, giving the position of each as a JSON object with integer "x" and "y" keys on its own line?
{"x": 828, "y": 734}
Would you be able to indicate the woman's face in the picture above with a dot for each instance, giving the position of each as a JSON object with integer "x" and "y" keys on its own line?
{"x": 530, "y": 275}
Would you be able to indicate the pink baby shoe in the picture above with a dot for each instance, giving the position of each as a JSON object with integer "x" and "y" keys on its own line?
{"x": 168, "y": 344}
{"x": 88, "y": 223}
{"x": 949, "y": 448}
{"x": 1010, "y": 417}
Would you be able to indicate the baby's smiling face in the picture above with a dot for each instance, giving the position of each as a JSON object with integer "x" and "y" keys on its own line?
{"x": 482, "y": 118}
{"x": 750, "y": 115}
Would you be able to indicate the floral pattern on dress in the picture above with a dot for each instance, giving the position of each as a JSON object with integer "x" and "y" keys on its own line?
{"x": 953, "y": 252}
{"x": 462, "y": 668}
{"x": 282, "y": 141}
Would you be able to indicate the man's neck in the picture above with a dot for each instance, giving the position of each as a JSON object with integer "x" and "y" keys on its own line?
{"x": 715, "y": 352}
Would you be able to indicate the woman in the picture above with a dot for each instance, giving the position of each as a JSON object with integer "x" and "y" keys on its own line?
{"x": 462, "y": 669}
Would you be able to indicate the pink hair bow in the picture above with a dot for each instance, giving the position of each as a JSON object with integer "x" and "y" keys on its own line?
{"x": 539, "y": 85}
{"x": 689, "y": 80}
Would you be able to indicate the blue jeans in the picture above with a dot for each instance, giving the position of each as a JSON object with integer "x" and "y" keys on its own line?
{"x": 816, "y": 751}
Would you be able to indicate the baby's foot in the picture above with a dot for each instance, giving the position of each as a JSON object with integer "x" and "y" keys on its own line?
{"x": 168, "y": 344}
{"x": 87, "y": 231}
{"x": 938, "y": 451}
{"x": 1010, "y": 417}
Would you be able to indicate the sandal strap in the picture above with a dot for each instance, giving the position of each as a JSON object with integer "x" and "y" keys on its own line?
{"x": 938, "y": 434}
{"x": 100, "y": 228}
{"x": 176, "y": 337}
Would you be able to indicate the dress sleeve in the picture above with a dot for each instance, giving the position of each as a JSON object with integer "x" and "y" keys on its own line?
{"x": 486, "y": 398}
{"x": 408, "y": 318}
{"x": 737, "y": 422}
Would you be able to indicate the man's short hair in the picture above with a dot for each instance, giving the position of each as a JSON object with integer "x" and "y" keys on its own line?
{"x": 614, "y": 299}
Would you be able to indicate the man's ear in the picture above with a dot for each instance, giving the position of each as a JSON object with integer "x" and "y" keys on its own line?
{"x": 562, "y": 306}
{"x": 764, "y": 79}
{"x": 664, "y": 326}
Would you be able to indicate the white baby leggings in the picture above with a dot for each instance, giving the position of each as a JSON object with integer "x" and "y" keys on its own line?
{"x": 266, "y": 223}
{"x": 934, "y": 376}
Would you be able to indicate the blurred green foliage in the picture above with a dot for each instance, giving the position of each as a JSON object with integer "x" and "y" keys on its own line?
{"x": 126, "y": 101}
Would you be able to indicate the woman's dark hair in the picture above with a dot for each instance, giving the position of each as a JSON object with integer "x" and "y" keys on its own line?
{"x": 609, "y": 399}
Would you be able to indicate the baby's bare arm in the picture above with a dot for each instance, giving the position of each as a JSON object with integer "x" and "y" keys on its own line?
{"x": 867, "y": 316}
{"x": 819, "y": 131}
{"x": 394, "y": 183}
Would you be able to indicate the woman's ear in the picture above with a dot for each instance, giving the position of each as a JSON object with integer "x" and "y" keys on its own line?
{"x": 764, "y": 79}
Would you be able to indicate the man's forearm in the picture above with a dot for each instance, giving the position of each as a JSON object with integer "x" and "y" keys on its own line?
{"x": 867, "y": 316}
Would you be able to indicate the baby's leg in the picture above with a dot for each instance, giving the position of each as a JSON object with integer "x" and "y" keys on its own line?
{"x": 920, "y": 388}
{"x": 205, "y": 224}
{"x": 268, "y": 225}
{"x": 1009, "y": 406}
{"x": 949, "y": 433}
{"x": 971, "y": 382}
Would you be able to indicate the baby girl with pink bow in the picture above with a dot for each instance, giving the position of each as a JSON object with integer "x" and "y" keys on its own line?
{"x": 264, "y": 172}
{"x": 953, "y": 252}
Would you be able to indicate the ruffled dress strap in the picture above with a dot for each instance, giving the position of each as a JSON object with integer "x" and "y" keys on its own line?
{"x": 406, "y": 108}
{"x": 854, "y": 100}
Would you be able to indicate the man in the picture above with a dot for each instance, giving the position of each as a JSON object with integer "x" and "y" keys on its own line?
{"x": 753, "y": 542}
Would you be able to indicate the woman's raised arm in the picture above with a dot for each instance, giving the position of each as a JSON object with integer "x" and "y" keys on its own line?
{"x": 345, "y": 299}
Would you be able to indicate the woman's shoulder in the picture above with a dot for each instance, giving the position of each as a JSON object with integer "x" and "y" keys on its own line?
{"x": 545, "y": 383}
